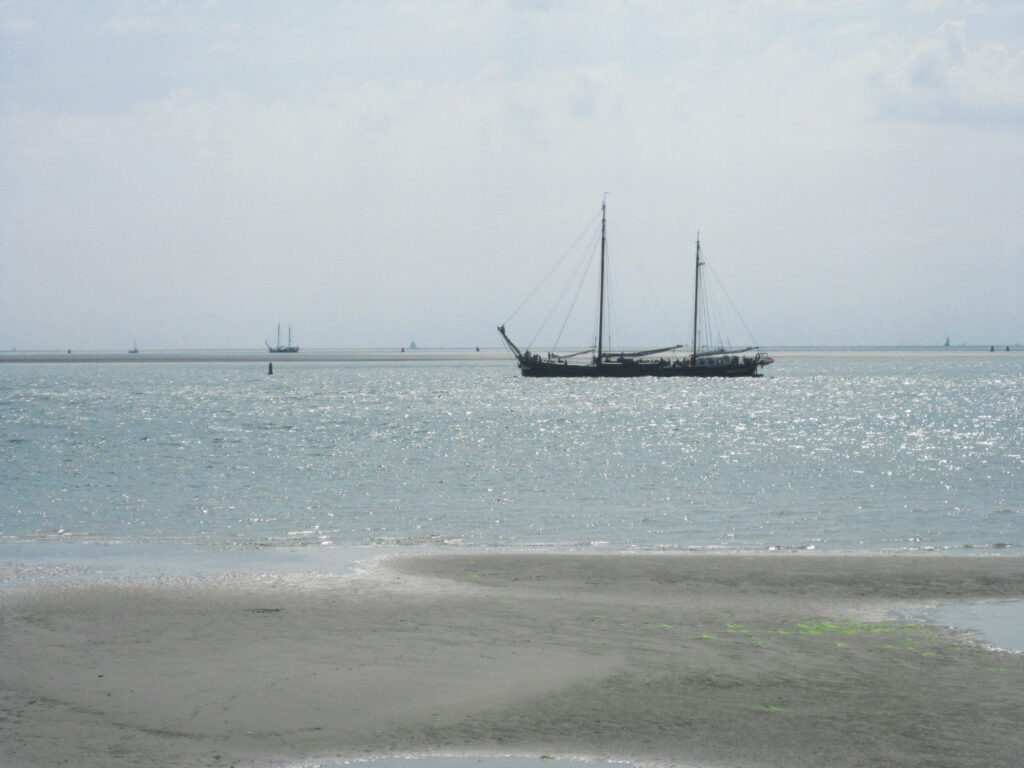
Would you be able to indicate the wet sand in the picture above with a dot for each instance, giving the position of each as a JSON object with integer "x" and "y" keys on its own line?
{"x": 702, "y": 660}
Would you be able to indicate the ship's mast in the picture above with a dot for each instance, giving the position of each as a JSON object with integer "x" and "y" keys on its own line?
{"x": 600, "y": 303}
{"x": 696, "y": 293}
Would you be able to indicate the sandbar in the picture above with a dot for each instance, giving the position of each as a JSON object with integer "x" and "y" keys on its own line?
{"x": 660, "y": 660}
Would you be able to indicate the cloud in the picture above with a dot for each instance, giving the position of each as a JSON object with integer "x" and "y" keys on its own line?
{"x": 16, "y": 26}
{"x": 128, "y": 25}
{"x": 949, "y": 77}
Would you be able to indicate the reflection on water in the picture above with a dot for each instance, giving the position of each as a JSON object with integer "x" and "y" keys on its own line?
{"x": 828, "y": 454}
{"x": 546, "y": 761}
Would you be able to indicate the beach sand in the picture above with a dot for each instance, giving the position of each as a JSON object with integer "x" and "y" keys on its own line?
{"x": 674, "y": 660}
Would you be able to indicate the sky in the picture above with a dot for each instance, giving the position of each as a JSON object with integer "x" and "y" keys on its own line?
{"x": 381, "y": 172}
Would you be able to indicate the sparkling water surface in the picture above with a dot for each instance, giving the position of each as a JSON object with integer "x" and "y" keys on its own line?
{"x": 832, "y": 451}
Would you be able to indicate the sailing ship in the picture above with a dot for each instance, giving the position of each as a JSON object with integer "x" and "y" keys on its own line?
{"x": 134, "y": 350}
{"x": 664, "y": 361}
{"x": 289, "y": 347}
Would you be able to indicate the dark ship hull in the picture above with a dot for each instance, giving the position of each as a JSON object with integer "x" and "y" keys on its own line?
{"x": 728, "y": 367}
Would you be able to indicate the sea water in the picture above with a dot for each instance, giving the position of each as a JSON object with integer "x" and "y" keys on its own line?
{"x": 872, "y": 452}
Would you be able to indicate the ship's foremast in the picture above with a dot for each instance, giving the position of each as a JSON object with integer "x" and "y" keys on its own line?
{"x": 600, "y": 301}
{"x": 696, "y": 295}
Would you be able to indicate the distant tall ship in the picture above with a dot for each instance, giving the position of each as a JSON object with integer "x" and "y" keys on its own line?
{"x": 134, "y": 350}
{"x": 602, "y": 362}
{"x": 289, "y": 347}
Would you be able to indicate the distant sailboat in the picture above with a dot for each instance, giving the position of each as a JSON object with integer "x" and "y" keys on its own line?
{"x": 134, "y": 350}
{"x": 702, "y": 362}
{"x": 289, "y": 347}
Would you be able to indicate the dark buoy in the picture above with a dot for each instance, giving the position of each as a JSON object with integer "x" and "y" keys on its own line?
{"x": 270, "y": 369}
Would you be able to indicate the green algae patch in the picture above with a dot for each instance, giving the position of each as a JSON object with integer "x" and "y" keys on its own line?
{"x": 850, "y": 627}
{"x": 845, "y": 628}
